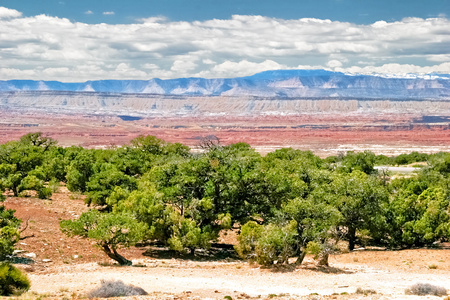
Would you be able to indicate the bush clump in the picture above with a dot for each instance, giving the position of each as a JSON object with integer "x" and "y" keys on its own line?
{"x": 365, "y": 291}
{"x": 12, "y": 280}
{"x": 422, "y": 289}
{"x": 115, "y": 288}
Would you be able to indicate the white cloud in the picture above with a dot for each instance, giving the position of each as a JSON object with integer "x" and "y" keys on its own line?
{"x": 109, "y": 13}
{"x": 50, "y": 48}
{"x": 244, "y": 68}
{"x": 398, "y": 69}
{"x": 334, "y": 64}
{"x": 9, "y": 13}
{"x": 89, "y": 12}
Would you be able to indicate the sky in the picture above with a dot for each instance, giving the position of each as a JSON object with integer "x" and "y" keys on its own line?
{"x": 80, "y": 40}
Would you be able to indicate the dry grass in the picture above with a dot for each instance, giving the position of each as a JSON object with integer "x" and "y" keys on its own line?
{"x": 115, "y": 288}
{"x": 422, "y": 289}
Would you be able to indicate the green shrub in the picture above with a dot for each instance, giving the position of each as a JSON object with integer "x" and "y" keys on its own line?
{"x": 54, "y": 185}
{"x": 251, "y": 232}
{"x": 12, "y": 280}
{"x": 9, "y": 233}
{"x": 267, "y": 244}
{"x": 44, "y": 193}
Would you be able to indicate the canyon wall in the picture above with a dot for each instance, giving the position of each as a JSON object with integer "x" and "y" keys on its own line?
{"x": 163, "y": 106}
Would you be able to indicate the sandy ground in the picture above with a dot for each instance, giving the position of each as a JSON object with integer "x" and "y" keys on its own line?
{"x": 218, "y": 279}
{"x": 68, "y": 267}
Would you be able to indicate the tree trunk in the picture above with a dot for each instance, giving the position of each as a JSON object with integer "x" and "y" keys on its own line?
{"x": 351, "y": 238}
{"x": 323, "y": 261}
{"x": 300, "y": 258}
{"x": 16, "y": 191}
{"x": 116, "y": 256}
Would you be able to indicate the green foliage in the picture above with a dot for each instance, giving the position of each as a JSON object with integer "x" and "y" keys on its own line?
{"x": 79, "y": 170}
{"x": 9, "y": 232}
{"x": 147, "y": 207}
{"x": 31, "y": 182}
{"x": 315, "y": 220}
{"x": 55, "y": 164}
{"x": 361, "y": 161}
{"x": 104, "y": 179}
{"x": 12, "y": 280}
{"x": 54, "y": 185}
{"x": 440, "y": 163}
{"x": 193, "y": 228}
{"x": 267, "y": 244}
{"x": 250, "y": 234}
{"x": 149, "y": 144}
{"x": 383, "y": 160}
{"x": 278, "y": 243}
{"x": 291, "y": 202}
{"x": 405, "y": 159}
{"x": 360, "y": 199}
{"x": 22, "y": 164}
{"x": 188, "y": 235}
{"x": 38, "y": 139}
{"x": 419, "y": 217}
{"x": 110, "y": 230}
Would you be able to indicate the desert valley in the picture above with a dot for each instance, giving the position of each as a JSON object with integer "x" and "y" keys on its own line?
{"x": 321, "y": 111}
{"x": 303, "y": 110}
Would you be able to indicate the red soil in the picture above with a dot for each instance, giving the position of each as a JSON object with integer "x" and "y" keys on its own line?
{"x": 323, "y": 134}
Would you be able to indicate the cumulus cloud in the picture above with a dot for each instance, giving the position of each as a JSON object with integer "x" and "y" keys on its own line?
{"x": 243, "y": 68}
{"x": 9, "y": 13}
{"x": 89, "y": 12}
{"x": 334, "y": 64}
{"x": 51, "y": 48}
{"x": 398, "y": 69}
{"x": 109, "y": 13}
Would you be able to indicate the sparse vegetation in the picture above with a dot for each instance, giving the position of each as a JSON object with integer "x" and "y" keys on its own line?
{"x": 422, "y": 289}
{"x": 365, "y": 291}
{"x": 115, "y": 288}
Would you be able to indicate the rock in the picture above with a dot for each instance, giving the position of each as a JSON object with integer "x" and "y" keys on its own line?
{"x": 46, "y": 260}
{"x": 18, "y": 251}
{"x": 31, "y": 255}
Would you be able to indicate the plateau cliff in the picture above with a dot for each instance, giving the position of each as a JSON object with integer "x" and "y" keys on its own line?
{"x": 281, "y": 84}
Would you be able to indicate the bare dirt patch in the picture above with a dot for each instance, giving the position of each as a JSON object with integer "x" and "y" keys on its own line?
{"x": 68, "y": 267}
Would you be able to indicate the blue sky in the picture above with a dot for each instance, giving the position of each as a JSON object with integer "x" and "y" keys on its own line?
{"x": 355, "y": 11}
{"x": 82, "y": 40}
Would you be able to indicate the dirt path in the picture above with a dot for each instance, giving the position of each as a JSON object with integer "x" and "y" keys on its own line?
{"x": 218, "y": 279}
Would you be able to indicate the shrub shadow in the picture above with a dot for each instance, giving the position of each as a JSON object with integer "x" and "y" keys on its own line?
{"x": 21, "y": 260}
{"x": 328, "y": 270}
{"x": 306, "y": 266}
{"x": 217, "y": 252}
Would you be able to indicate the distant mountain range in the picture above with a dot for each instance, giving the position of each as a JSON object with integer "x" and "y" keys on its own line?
{"x": 271, "y": 84}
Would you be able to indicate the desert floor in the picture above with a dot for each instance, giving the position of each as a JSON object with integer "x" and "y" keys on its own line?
{"x": 67, "y": 268}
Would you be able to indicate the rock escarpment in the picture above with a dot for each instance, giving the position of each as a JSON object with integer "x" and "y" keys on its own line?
{"x": 162, "y": 105}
